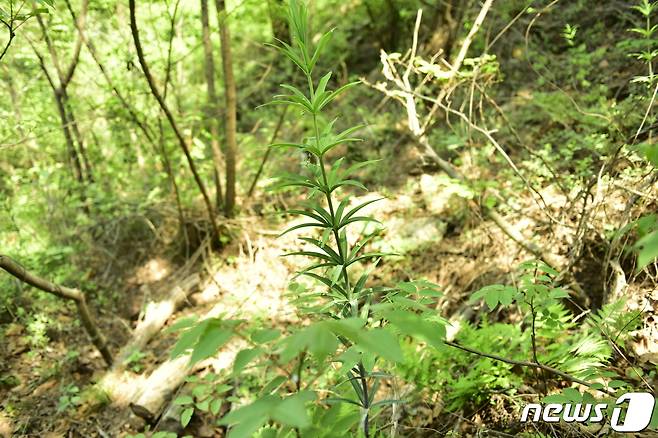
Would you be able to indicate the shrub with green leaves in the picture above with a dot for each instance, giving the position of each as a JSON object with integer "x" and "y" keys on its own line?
{"x": 583, "y": 351}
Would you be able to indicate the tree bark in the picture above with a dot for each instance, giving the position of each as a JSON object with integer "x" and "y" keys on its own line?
{"x": 170, "y": 119}
{"x": 97, "y": 338}
{"x": 212, "y": 111}
{"x": 155, "y": 317}
{"x": 230, "y": 96}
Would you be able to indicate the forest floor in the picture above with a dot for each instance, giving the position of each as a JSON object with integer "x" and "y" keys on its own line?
{"x": 52, "y": 393}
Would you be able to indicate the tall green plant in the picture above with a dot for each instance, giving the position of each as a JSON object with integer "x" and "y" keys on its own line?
{"x": 346, "y": 303}
{"x": 354, "y": 327}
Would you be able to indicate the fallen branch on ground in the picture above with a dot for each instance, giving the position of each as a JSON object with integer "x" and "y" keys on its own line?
{"x": 156, "y": 316}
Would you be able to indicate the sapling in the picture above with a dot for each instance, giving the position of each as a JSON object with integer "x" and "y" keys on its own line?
{"x": 352, "y": 322}
{"x": 346, "y": 298}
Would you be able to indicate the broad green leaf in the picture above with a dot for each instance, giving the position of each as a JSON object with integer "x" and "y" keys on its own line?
{"x": 243, "y": 358}
{"x": 650, "y": 151}
{"x": 494, "y": 294}
{"x": 260, "y": 408}
{"x": 213, "y": 337}
{"x": 647, "y": 249}
{"x": 407, "y": 287}
{"x": 415, "y": 325}
{"x": 273, "y": 384}
{"x": 559, "y": 293}
{"x": 291, "y": 411}
{"x": 216, "y": 406}
{"x": 617, "y": 384}
{"x": 265, "y": 335}
{"x": 186, "y": 416}
{"x": 184, "y": 400}
{"x": 316, "y": 338}
{"x": 183, "y": 323}
{"x": 189, "y": 338}
{"x": 381, "y": 342}
{"x": 556, "y": 398}
{"x": 322, "y": 341}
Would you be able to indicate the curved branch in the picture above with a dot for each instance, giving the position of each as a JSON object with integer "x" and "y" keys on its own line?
{"x": 12, "y": 34}
{"x": 527, "y": 364}
{"x": 18, "y": 271}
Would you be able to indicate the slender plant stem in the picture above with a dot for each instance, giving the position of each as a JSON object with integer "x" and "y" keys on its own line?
{"x": 279, "y": 124}
{"x": 300, "y": 368}
{"x": 354, "y": 304}
{"x": 528, "y": 364}
{"x": 366, "y": 398}
{"x": 170, "y": 118}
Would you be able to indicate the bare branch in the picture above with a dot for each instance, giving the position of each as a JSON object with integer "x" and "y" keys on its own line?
{"x": 17, "y": 270}
{"x": 529, "y": 364}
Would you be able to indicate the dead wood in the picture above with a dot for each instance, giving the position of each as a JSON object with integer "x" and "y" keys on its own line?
{"x": 155, "y": 317}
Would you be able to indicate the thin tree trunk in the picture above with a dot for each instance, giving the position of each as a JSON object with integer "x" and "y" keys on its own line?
{"x": 393, "y": 22}
{"x": 231, "y": 107}
{"x": 74, "y": 157}
{"x": 172, "y": 180}
{"x": 280, "y": 29}
{"x": 158, "y": 147}
{"x": 163, "y": 143}
{"x": 212, "y": 111}
{"x": 72, "y": 135}
{"x": 170, "y": 119}
{"x": 89, "y": 176}
{"x": 146, "y": 130}
{"x": 97, "y": 338}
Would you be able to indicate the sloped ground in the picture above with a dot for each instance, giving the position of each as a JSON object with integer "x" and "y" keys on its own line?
{"x": 431, "y": 223}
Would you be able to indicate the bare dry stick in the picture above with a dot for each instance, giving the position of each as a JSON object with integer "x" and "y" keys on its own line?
{"x": 17, "y": 270}
{"x": 282, "y": 117}
{"x": 459, "y": 60}
{"x": 407, "y": 97}
{"x": 528, "y": 364}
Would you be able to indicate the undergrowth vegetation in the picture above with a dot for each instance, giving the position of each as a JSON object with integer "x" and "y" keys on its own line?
{"x": 342, "y": 369}
{"x": 444, "y": 214}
